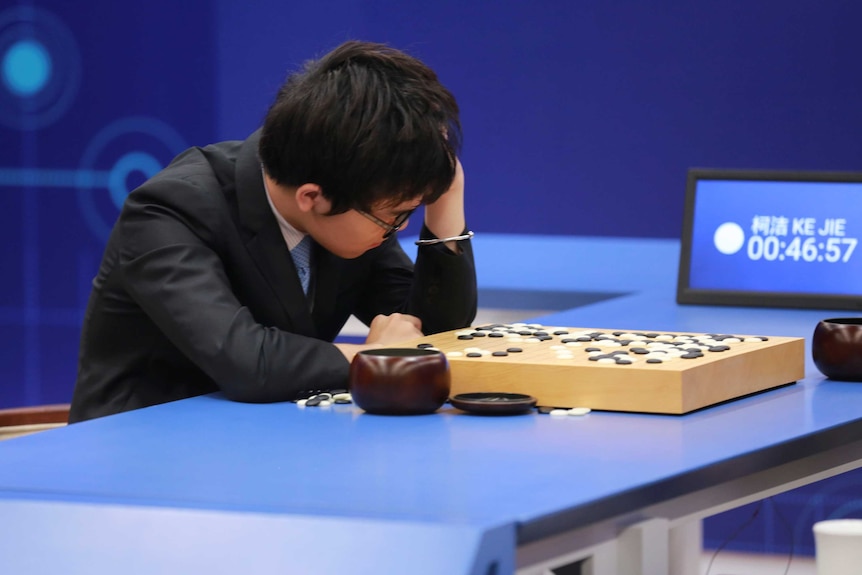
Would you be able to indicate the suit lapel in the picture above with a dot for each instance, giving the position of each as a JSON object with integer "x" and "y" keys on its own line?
{"x": 265, "y": 243}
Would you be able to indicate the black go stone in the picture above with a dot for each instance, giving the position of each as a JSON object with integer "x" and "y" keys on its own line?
{"x": 561, "y": 332}
{"x": 544, "y": 337}
{"x": 425, "y": 345}
{"x": 691, "y": 355}
{"x": 514, "y": 350}
{"x": 500, "y": 354}
{"x": 653, "y": 360}
{"x": 342, "y": 400}
{"x": 465, "y": 336}
{"x": 314, "y": 401}
{"x": 478, "y": 334}
{"x": 495, "y": 334}
{"x": 639, "y": 350}
{"x": 719, "y": 348}
{"x": 474, "y": 354}
{"x": 540, "y": 333}
{"x": 589, "y": 349}
{"x": 545, "y": 409}
{"x": 568, "y": 340}
{"x": 584, "y": 338}
{"x": 621, "y": 361}
{"x": 525, "y": 332}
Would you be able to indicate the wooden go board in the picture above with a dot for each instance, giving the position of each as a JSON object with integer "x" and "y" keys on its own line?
{"x": 616, "y": 370}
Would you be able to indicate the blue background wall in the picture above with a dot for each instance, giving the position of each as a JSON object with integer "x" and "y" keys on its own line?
{"x": 580, "y": 118}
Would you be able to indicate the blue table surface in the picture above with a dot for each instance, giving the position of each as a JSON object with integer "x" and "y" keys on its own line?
{"x": 447, "y": 468}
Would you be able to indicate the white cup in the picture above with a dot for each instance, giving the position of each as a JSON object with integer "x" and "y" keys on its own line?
{"x": 838, "y": 546}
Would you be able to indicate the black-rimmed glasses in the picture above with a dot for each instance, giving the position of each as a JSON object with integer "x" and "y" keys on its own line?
{"x": 394, "y": 226}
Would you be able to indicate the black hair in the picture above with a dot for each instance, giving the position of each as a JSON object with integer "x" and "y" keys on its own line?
{"x": 368, "y": 123}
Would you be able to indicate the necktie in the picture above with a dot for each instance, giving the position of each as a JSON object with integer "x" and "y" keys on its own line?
{"x": 301, "y": 255}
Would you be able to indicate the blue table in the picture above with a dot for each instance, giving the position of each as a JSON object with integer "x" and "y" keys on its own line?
{"x": 208, "y": 485}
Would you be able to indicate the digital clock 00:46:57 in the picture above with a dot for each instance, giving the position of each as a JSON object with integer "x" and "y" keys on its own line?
{"x": 811, "y": 249}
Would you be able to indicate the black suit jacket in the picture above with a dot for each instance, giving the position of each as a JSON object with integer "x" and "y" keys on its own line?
{"x": 197, "y": 292}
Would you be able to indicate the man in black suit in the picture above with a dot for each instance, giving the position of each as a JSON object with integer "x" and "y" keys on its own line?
{"x": 198, "y": 290}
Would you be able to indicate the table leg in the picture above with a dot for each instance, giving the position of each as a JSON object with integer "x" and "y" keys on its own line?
{"x": 685, "y": 545}
{"x": 642, "y": 549}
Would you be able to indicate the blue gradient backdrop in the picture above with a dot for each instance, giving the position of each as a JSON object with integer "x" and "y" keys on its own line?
{"x": 581, "y": 118}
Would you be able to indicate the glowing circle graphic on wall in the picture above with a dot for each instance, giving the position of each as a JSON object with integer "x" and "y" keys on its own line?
{"x": 130, "y": 150}
{"x": 40, "y": 68}
{"x": 26, "y": 68}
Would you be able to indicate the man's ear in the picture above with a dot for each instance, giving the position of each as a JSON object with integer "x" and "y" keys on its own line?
{"x": 309, "y": 198}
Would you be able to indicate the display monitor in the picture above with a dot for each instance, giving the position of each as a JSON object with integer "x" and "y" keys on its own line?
{"x": 772, "y": 239}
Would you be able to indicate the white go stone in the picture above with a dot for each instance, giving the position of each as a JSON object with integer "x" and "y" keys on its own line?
{"x": 607, "y": 360}
{"x": 751, "y": 339}
{"x": 732, "y": 340}
{"x": 301, "y": 403}
{"x": 454, "y": 354}
{"x": 558, "y": 412}
{"x": 579, "y": 411}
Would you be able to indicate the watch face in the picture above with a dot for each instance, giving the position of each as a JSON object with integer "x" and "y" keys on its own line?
{"x": 777, "y": 239}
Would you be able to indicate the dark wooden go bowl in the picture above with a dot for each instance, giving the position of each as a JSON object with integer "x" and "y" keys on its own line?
{"x": 837, "y": 348}
{"x": 399, "y": 381}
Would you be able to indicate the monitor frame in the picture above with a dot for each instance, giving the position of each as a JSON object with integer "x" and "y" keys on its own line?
{"x": 686, "y": 294}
